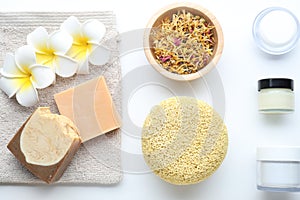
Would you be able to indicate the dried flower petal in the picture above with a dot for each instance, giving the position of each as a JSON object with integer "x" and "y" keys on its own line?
{"x": 164, "y": 59}
{"x": 177, "y": 41}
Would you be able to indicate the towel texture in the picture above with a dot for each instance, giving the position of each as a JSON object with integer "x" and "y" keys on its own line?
{"x": 98, "y": 161}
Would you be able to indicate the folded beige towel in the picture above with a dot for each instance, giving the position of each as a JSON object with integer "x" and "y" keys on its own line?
{"x": 98, "y": 161}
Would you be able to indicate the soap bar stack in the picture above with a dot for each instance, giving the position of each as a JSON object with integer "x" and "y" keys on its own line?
{"x": 46, "y": 142}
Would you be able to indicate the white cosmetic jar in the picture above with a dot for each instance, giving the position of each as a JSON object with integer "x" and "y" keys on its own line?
{"x": 276, "y": 95}
{"x": 276, "y": 30}
{"x": 278, "y": 169}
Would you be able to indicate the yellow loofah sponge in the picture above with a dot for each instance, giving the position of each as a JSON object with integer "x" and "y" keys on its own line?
{"x": 184, "y": 140}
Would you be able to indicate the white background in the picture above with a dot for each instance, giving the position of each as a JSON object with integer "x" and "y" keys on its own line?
{"x": 241, "y": 65}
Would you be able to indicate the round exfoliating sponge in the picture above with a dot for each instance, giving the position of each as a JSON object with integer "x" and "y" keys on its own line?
{"x": 184, "y": 140}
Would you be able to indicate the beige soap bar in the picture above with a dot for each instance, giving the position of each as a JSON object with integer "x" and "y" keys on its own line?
{"x": 90, "y": 107}
{"x": 46, "y": 144}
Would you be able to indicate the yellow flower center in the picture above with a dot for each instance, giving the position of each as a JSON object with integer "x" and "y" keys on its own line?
{"x": 80, "y": 48}
{"x": 45, "y": 57}
{"x": 27, "y": 84}
{"x": 80, "y": 40}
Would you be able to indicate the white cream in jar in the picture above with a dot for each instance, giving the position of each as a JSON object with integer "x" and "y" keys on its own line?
{"x": 278, "y": 169}
{"x": 276, "y": 30}
{"x": 276, "y": 95}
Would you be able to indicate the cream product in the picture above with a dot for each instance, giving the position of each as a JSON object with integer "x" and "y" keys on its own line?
{"x": 278, "y": 169}
{"x": 276, "y": 95}
{"x": 276, "y": 30}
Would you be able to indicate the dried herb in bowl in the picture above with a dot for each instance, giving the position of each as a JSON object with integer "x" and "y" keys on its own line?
{"x": 183, "y": 44}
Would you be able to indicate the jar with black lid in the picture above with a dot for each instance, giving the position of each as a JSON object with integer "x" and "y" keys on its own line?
{"x": 276, "y": 95}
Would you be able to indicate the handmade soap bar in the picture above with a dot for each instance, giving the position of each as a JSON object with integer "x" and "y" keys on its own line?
{"x": 90, "y": 107}
{"x": 46, "y": 144}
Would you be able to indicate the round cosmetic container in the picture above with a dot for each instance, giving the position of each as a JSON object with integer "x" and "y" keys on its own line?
{"x": 276, "y": 95}
{"x": 278, "y": 169}
{"x": 276, "y": 30}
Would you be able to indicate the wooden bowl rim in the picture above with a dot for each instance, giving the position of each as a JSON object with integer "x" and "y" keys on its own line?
{"x": 206, "y": 14}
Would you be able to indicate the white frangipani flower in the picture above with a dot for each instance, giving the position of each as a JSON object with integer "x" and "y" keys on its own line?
{"x": 86, "y": 42}
{"x": 21, "y": 76}
{"x": 51, "y": 50}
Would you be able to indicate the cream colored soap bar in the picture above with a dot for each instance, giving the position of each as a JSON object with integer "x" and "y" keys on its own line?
{"x": 46, "y": 144}
{"x": 90, "y": 107}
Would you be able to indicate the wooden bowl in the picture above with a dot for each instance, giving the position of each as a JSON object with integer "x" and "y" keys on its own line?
{"x": 195, "y": 10}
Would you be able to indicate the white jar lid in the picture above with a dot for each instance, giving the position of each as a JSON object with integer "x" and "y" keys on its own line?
{"x": 278, "y": 153}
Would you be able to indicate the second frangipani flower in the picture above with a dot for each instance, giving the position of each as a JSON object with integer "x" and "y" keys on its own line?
{"x": 51, "y": 51}
{"x": 86, "y": 41}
